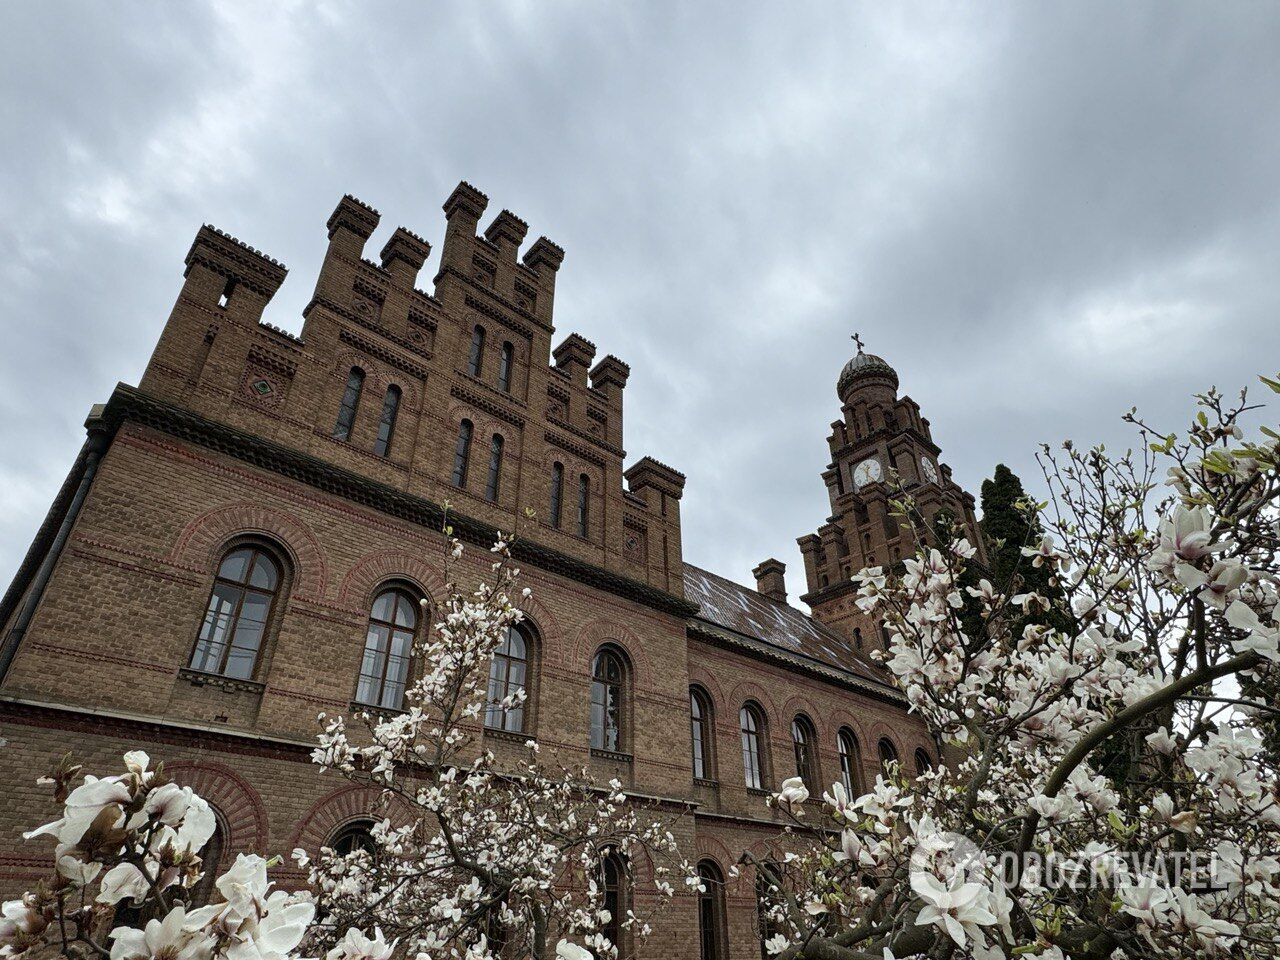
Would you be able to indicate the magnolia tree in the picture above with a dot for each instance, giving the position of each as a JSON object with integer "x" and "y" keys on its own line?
{"x": 1106, "y": 796}
{"x": 474, "y": 858}
{"x": 128, "y": 850}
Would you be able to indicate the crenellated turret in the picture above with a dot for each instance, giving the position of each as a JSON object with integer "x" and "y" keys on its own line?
{"x": 880, "y": 444}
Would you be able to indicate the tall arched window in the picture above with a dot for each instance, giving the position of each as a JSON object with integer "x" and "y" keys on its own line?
{"x": 924, "y": 762}
{"x": 888, "y": 754}
{"x": 475, "y": 363}
{"x": 211, "y": 857}
{"x": 613, "y": 883}
{"x": 751, "y": 720}
{"x": 384, "y": 671}
{"x": 765, "y": 922}
{"x": 805, "y": 742}
{"x": 702, "y": 727}
{"x": 584, "y": 495}
{"x": 557, "y": 493}
{"x": 462, "y": 454}
{"x": 235, "y": 621}
{"x": 504, "y": 366}
{"x": 353, "y": 836}
{"x": 711, "y": 925}
{"x": 607, "y": 678}
{"x": 387, "y": 422}
{"x": 350, "y": 401}
{"x": 850, "y": 762}
{"x": 494, "y": 481}
{"x": 508, "y": 675}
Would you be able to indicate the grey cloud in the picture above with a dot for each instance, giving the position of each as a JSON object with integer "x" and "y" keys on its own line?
{"x": 1040, "y": 214}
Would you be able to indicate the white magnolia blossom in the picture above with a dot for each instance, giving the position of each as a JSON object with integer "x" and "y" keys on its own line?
{"x": 134, "y": 840}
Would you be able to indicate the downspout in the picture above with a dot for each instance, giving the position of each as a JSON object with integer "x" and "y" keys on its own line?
{"x": 95, "y": 446}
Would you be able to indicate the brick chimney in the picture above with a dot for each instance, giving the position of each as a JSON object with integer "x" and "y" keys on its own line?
{"x": 771, "y": 579}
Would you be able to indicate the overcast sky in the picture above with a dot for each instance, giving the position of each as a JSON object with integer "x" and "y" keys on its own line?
{"x": 1040, "y": 214}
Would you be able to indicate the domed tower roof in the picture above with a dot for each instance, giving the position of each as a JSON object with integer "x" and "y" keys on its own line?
{"x": 864, "y": 366}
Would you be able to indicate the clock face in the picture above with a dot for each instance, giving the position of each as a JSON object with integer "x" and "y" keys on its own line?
{"x": 868, "y": 471}
{"x": 929, "y": 471}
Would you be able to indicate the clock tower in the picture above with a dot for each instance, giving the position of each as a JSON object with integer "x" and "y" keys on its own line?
{"x": 879, "y": 442}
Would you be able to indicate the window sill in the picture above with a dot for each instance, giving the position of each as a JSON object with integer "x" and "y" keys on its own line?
{"x": 704, "y": 782}
{"x": 379, "y": 713}
{"x": 199, "y": 678}
{"x": 613, "y": 755}
{"x": 758, "y": 792}
{"x": 509, "y": 736}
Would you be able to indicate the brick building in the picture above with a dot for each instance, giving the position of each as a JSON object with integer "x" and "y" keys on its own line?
{"x": 227, "y": 555}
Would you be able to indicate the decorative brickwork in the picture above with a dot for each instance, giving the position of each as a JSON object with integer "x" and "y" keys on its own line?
{"x": 231, "y": 438}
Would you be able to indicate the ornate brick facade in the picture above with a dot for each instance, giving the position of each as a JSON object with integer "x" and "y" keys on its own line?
{"x": 237, "y": 435}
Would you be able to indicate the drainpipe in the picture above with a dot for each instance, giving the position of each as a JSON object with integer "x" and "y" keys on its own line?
{"x": 95, "y": 447}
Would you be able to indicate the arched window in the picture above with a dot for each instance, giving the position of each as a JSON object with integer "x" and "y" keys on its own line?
{"x": 607, "y": 677}
{"x": 703, "y": 726}
{"x": 924, "y": 762}
{"x": 857, "y": 637}
{"x": 584, "y": 493}
{"x": 850, "y": 762}
{"x": 508, "y": 676}
{"x": 504, "y": 366}
{"x": 353, "y": 836}
{"x": 888, "y": 754}
{"x": 462, "y": 453}
{"x": 751, "y": 720}
{"x": 805, "y": 742}
{"x": 350, "y": 400}
{"x": 557, "y": 493}
{"x": 711, "y": 925}
{"x": 235, "y": 621}
{"x": 765, "y": 922}
{"x": 387, "y": 422}
{"x": 475, "y": 363}
{"x": 613, "y": 883}
{"x": 211, "y": 857}
{"x": 384, "y": 671}
{"x": 494, "y": 482}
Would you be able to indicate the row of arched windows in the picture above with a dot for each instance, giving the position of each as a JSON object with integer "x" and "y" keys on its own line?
{"x": 243, "y": 600}
{"x": 506, "y": 359}
{"x": 351, "y": 403}
{"x": 249, "y": 582}
{"x": 753, "y": 732}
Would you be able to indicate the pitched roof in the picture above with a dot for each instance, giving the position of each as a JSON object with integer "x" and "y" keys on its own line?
{"x": 744, "y": 611}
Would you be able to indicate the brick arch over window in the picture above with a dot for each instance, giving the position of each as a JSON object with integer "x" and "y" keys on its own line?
{"x": 800, "y": 704}
{"x": 837, "y": 720}
{"x": 700, "y": 676}
{"x": 360, "y": 582}
{"x": 710, "y": 848}
{"x": 201, "y": 544}
{"x": 540, "y": 618}
{"x": 353, "y": 802}
{"x": 234, "y": 797}
{"x": 750, "y": 690}
{"x": 598, "y": 633}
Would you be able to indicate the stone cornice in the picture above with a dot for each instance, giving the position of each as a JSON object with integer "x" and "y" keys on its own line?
{"x": 128, "y": 404}
{"x": 489, "y": 406}
{"x": 366, "y": 344}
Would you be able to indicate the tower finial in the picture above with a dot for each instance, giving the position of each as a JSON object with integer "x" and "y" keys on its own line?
{"x": 857, "y": 338}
